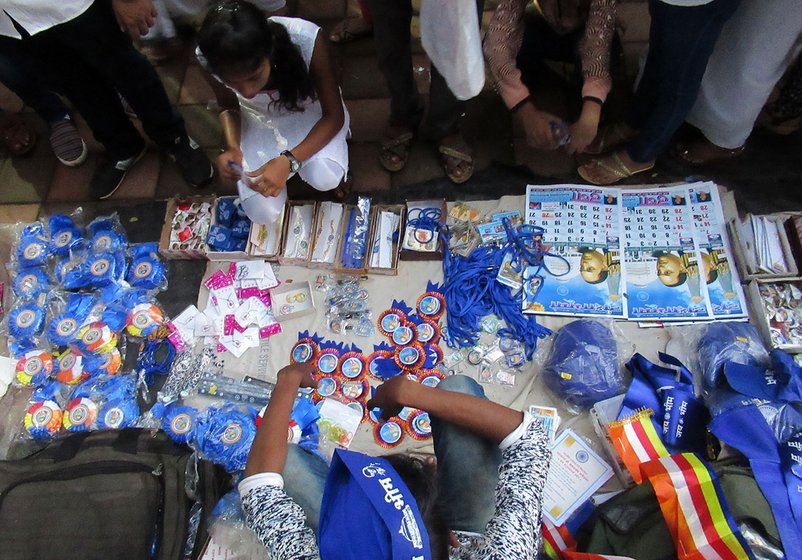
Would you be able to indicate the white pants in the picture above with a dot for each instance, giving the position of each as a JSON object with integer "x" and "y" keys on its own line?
{"x": 321, "y": 173}
{"x": 752, "y": 53}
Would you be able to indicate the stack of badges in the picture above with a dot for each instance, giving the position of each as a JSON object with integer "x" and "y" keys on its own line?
{"x": 43, "y": 419}
{"x": 306, "y": 349}
{"x": 144, "y": 319}
{"x": 34, "y": 368}
{"x": 80, "y": 415}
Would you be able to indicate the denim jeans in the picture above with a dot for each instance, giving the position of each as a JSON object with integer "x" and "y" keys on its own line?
{"x": 21, "y": 73}
{"x": 681, "y": 40}
{"x": 467, "y": 470}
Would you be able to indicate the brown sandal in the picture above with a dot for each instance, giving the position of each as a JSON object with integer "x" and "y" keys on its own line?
{"x": 18, "y": 139}
{"x": 350, "y": 29}
{"x": 608, "y": 170}
{"x": 453, "y": 155}
{"x": 395, "y": 145}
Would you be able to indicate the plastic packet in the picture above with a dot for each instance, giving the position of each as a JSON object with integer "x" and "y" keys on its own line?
{"x": 26, "y": 325}
{"x": 354, "y": 247}
{"x": 69, "y": 312}
{"x": 147, "y": 269}
{"x": 71, "y": 270}
{"x": 30, "y": 283}
{"x": 33, "y": 247}
{"x": 35, "y": 368}
{"x": 155, "y": 357}
{"x": 115, "y": 398}
{"x": 107, "y": 235}
{"x": 65, "y": 232}
{"x": 583, "y": 363}
{"x": 224, "y": 435}
{"x": 228, "y": 529}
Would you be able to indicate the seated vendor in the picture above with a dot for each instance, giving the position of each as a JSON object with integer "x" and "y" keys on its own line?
{"x": 483, "y": 500}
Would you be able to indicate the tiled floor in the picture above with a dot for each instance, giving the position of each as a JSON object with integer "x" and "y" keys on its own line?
{"x": 770, "y": 165}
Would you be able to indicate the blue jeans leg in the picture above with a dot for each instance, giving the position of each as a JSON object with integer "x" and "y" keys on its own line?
{"x": 304, "y": 479}
{"x": 467, "y": 467}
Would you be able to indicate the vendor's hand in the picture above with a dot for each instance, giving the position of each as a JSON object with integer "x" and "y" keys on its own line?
{"x": 269, "y": 179}
{"x": 224, "y": 170}
{"x": 537, "y": 126}
{"x": 392, "y": 395}
{"x": 583, "y": 132}
{"x": 302, "y": 374}
{"x": 134, "y": 16}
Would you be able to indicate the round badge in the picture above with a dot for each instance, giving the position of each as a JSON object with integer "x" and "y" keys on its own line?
{"x": 302, "y": 353}
{"x": 357, "y": 406}
{"x": 66, "y": 326}
{"x": 103, "y": 243}
{"x": 389, "y": 321}
{"x": 232, "y": 434}
{"x": 143, "y": 269}
{"x": 327, "y": 362}
{"x": 389, "y": 434}
{"x": 144, "y": 319}
{"x": 352, "y": 367}
{"x": 430, "y": 379}
{"x": 426, "y": 332}
{"x": 33, "y": 250}
{"x": 62, "y": 239}
{"x": 429, "y": 305}
{"x": 113, "y": 418}
{"x": 181, "y": 423}
{"x": 326, "y": 386}
{"x": 419, "y": 425}
{"x": 375, "y": 415}
{"x": 29, "y": 283}
{"x": 80, "y": 414}
{"x": 403, "y": 335}
{"x": 99, "y": 267}
{"x": 353, "y": 389}
{"x": 409, "y": 356}
{"x": 506, "y": 344}
{"x": 34, "y": 367}
{"x": 373, "y": 365}
{"x": 70, "y": 368}
{"x": 25, "y": 318}
{"x": 43, "y": 419}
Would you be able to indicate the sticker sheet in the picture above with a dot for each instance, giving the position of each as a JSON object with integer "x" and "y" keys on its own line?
{"x": 718, "y": 267}
{"x": 661, "y": 256}
{"x": 583, "y": 275}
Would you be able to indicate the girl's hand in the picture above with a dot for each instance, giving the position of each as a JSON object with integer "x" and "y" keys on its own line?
{"x": 269, "y": 179}
{"x": 300, "y": 374}
{"x": 582, "y": 133}
{"x": 224, "y": 170}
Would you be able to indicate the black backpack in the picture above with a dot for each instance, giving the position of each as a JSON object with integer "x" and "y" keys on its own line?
{"x": 107, "y": 495}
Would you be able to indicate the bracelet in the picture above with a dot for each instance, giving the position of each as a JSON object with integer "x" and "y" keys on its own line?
{"x": 593, "y": 99}
{"x": 520, "y": 104}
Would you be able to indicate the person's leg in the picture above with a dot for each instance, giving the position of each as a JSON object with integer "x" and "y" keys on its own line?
{"x": 744, "y": 69}
{"x": 467, "y": 467}
{"x": 304, "y": 479}
{"x": 21, "y": 73}
{"x": 322, "y": 173}
{"x": 681, "y": 40}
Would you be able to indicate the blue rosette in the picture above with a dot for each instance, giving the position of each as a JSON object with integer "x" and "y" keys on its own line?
{"x": 31, "y": 282}
{"x": 26, "y": 321}
{"x": 64, "y": 234}
{"x": 118, "y": 414}
{"x": 33, "y": 248}
{"x": 225, "y": 436}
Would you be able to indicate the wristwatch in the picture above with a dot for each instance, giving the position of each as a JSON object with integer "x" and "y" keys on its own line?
{"x": 295, "y": 165}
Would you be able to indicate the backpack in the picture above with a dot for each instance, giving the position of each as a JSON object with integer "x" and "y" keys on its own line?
{"x": 106, "y": 495}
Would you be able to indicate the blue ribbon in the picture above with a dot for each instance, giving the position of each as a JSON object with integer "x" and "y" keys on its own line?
{"x": 64, "y": 234}
{"x": 32, "y": 251}
{"x": 118, "y": 414}
{"x": 148, "y": 272}
{"x": 225, "y": 436}
{"x": 26, "y": 321}
{"x": 169, "y": 413}
{"x": 30, "y": 282}
{"x": 680, "y": 416}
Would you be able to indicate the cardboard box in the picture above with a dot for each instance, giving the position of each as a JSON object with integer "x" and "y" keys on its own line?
{"x": 744, "y": 253}
{"x": 172, "y": 252}
{"x": 287, "y": 237}
{"x": 265, "y": 240}
{"x": 322, "y": 240}
{"x": 291, "y": 300}
{"x": 214, "y": 255}
{"x": 375, "y": 211}
{"x": 759, "y": 315}
{"x": 411, "y": 255}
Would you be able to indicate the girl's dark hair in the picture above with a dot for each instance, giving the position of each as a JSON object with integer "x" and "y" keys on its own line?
{"x": 421, "y": 479}
{"x": 236, "y": 36}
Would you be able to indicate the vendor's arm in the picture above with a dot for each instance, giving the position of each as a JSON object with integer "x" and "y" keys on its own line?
{"x": 274, "y": 174}
{"x": 514, "y": 529}
{"x": 274, "y": 517}
{"x": 232, "y": 129}
{"x": 595, "y": 53}
{"x": 501, "y": 45}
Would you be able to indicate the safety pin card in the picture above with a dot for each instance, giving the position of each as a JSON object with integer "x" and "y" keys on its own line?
{"x": 582, "y": 228}
{"x": 661, "y": 256}
{"x": 718, "y": 266}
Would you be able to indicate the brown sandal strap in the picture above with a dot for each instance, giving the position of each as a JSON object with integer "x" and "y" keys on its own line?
{"x": 455, "y": 153}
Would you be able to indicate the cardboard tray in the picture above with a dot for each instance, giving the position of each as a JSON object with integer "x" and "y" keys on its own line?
{"x": 173, "y": 253}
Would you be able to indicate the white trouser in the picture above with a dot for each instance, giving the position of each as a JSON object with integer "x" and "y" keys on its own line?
{"x": 321, "y": 173}
{"x": 752, "y": 53}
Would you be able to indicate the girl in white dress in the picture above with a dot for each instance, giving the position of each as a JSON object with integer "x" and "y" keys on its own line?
{"x": 291, "y": 117}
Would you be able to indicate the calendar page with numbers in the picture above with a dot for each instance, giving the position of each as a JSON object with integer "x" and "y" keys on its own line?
{"x": 582, "y": 230}
{"x": 661, "y": 256}
{"x": 723, "y": 285}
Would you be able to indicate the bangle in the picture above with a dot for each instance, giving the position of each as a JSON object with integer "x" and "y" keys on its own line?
{"x": 593, "y": 99}
{"x": 520, "y": 104}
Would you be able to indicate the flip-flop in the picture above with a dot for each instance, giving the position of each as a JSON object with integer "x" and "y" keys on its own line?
{"x": 702, "y": 152}
{"x": 396, "y": 145}
{"x": 18, "y": 139}
{"x": 346, "y": 32}
{"x": 613, "y": 165}
{"x": 459, "y": 154}
{"x": 609, "y": 138}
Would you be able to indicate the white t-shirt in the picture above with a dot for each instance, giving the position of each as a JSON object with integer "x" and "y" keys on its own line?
{"x": 37, "y": 15}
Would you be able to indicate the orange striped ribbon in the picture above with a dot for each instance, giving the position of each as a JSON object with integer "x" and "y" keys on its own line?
{"x": 558, "y": 544}
{"x": 636, "y": 441}
{"x": 694, "y": 510}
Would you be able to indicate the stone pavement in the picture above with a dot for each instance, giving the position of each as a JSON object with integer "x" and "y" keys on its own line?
{"x": 766, "y": 178}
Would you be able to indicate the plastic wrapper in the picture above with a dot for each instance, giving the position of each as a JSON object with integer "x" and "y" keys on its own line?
{"x": 35, "y": 368}
{"x": 354, "y": 247}
{"x": 225, "y": 434}
{"x": 185, "y": 373}
{"x": 107, "y": 235}
{"x": 65, "y": 232}
{"x": 30, "y": 283}
{"x": 26, "y": 324}
{"x": 228, "y": 529}
{"x": 583, "y": 366}
{"x": 33, "y": 247}
{"x": 155, "y": 357}
{"x": 114, "y": 401}
{"x": 69, "y": 312}
{"x": 117, "y": 300}
{"x": 71, "y": 270}
{"x": 147, "y": 269}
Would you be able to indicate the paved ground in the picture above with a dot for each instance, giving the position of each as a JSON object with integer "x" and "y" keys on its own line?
{"x": 766, "y": 178}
